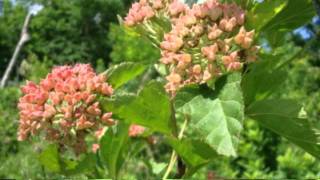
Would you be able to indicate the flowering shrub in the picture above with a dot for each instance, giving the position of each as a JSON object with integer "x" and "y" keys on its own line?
{"x": 206, "y": 46}
{"x": 205, "y": 41}
{"x": 64, "y": 107}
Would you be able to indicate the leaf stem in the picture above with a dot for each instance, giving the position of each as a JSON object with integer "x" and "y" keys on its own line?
{"x": 173, "y": 158}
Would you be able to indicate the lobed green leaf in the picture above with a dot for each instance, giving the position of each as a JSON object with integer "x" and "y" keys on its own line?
{"x": 217, "y": 121}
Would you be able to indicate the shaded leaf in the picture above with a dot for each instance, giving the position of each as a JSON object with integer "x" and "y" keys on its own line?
{"x": 193, "y": 152}
{"x": 282, "y": 117}
{"x": 266, "y": 76}
{"x": 85, "y": 165}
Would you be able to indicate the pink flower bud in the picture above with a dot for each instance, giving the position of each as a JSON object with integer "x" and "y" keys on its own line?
{"x": 94, "y": 109}
{"x": 197, "y": 30}
{"x": 206, "y": 76}
{"x": 136, "y": 130}
{"x": 49, "y": 112}
{"x": 244, "y": 38}
{"x": 213, "y": 10}
{"x": 196, "y": 69}
{"x": 214, "y": 32}
{"x": 231, "y": 62}
{"x": 30, "y": 87}
{"x": 174, "y": 78}
{"x": 176, "y": 7}
{"x": 157, "y": 4}
{"x": 83, "y": 123}
{"x": 171, "y": 43}
{"x": 47, "y": 84}
{"x": 106, "y": 90}
{"x": 228, "y": 24}
{"x": 210, "y": 52}
{"x": 186, "y": 58}
{"x": 99, "y": 133}
{"x": 189, "y": 19}
{"x": 198, "y": 11}
{"x": 95, "y": 148}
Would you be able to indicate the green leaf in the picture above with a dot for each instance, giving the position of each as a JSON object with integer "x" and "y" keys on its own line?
{"x": 157, "y": 168}
{"x": 217, "y": 121}
{"x": 266, "y": 76}
{"x": 261, "y": 81}
{"x": 49, "y": 158}
{"x": 187, "y": 93}
{"x": 295, "y": 14}
{"x": 85, "y": 165}
{"x": 150, "y": 108}
{"x": 120, "y": 74}
{"x": 282, "y": 117}
{"x": 193, "y": 152}
{"x": 263, "y": 12}
{"x": 114, "y": 148}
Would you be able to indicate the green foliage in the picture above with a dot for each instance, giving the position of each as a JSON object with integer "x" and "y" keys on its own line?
{"x": 114, "y": 145}
{"x": 34, "y": 69}
{"x": 120, "y": 74}
{"x": 80, "y": 31}
{"x": 130, "y": 46}
{"x": 267, "y": 76}
{"x": 293, "y": 15}
{"x": 49, "y": 158}
{"x": 263, "y": 12}
{"x": 193, "y": 152}
{"x": 10, "y": 26}
{"x": 282, "y": 117}
{"x": 218, "y": 121}
{"x": 69, "y": 31}
{"x": 84, "y": 165}
{"x": 142, "y": 109}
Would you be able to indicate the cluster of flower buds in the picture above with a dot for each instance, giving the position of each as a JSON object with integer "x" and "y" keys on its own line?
{"x": 205, "y": 41}
{"x": 64, "y": 107}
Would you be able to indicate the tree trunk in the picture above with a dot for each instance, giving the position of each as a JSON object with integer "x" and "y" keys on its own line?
{"x": 24, "y": 37}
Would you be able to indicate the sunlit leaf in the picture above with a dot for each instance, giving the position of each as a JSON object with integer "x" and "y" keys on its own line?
{"x": 295, "y": 14}
{"x": 263, "y": 12}
{"x": 120, "y": 74}
{"x": 113, "y": 148}
{"x": 150, "y": 108}
{"x": 49, "y": 158}
{"x": 217, "y": 121}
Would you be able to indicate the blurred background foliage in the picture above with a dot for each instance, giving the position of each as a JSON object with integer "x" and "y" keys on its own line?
{"x": 65, "y": 32}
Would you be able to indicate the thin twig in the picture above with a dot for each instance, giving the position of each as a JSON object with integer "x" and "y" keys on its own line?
{"x": 173, "y": 158}
{"x": 24, "y": 37}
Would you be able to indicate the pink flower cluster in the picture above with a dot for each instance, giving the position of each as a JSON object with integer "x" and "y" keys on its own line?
{"x": 205, "y": 41}
{"x": 64, "y": 106}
